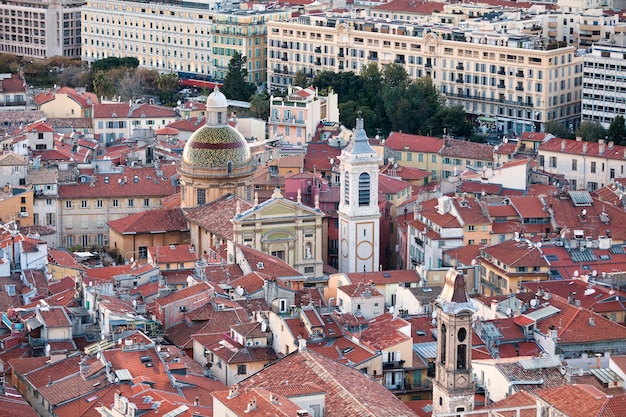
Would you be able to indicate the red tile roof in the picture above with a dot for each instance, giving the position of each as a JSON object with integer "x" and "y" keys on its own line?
{"x": 13, "y": 84}
{"x": 131, "y": 111}
{"x": 426, "y": 8}
{"x": 465, "y": 149}
{"x": 390, "y": 185}
{"x": 133, "y": 362}
{"x": 123, "y": 185}
{"x": 349, "y": 393}
{"x": 216, "y": 217}
{"x": 173, "y": 254}
{"x": 145, "y": 222}
{"x": 574, "y": 147}
{"x": 414, "y": 143}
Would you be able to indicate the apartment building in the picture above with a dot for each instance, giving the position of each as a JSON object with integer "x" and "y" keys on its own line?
{"x": 189, "y": 38}
{"x": 295, "y": 118}
{"x": 95, "y": 198}
{"x": 585, "y": 165}
{"x": 604, "y": 83}
{"x": 41, "y": 29}
{"x": 521, "y": 81}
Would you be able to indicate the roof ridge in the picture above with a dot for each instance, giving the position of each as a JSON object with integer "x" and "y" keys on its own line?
{"x": 332, "y": 380}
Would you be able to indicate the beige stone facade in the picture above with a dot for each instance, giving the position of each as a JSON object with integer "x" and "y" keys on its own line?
{"x": 520, "y": 80}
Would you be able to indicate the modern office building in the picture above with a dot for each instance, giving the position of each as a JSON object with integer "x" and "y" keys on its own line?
{"x": 518, "y": 82}
{"x": 41, "y": 29}
{"x": 190, "y": 39}
{"x": 604, "y": 82}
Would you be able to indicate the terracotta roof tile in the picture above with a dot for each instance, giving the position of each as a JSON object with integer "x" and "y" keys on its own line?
{"x": 148, "y": 184}
{"x": 414, "y": 143}
{"x": 144, "y": 222}
{"x": 348, "y": 392}
{"x": 216, "y": 217}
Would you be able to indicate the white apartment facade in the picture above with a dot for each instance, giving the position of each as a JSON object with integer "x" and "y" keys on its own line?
{"x": 41, "y": 29}
{"x": 521, "y": 81}
{"x": 586, "y": 165}
{"x": 190, "y": 39}
{"x": 295, "y": 118}
{"x": 604, "y": 82}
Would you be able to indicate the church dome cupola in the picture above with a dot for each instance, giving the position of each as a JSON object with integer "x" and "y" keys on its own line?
{"x": 216, "y": 159}
{"x": 216, "y": 144}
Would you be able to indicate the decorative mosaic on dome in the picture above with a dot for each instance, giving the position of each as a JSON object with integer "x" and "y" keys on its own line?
{"x": 213, "y": 147}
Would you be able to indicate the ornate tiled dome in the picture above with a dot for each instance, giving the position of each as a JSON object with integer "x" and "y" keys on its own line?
{"x": 216, "y": 143}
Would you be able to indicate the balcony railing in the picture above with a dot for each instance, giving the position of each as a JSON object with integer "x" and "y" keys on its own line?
{"x": 393, "y": 365}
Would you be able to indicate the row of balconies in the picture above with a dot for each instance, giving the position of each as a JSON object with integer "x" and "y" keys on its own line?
{"x": 488, "y": 99}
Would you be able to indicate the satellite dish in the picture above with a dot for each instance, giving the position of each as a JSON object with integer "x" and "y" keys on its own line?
{"x": 539, "y": 244}
{"x": 239, "y": 290}
{"x": 263, "y": 326}
{"x": 391, "y": 310}
{"x": 91, "y": 283}
{"x": 576, "y": 273}
{"x": 434, "y": 314}
{"x": 580, "y": 371}
{"x": 533, "y": 302}
{"x": 159, "y": 348}
{"x": 433, "y": 322}
{"x": 98, "y": 355}
{"x": 474, "y": 262}
{"x": 119, "y": 341}
{"x": 509, "y": 311}
{"x": 594, "y": 273}
{"x": 132, "y": 259}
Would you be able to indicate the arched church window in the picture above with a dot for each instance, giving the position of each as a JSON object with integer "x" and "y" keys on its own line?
{"x": 364, "y": 189}
{"x": 461, "y": 353}
{"x": 444, "y": 335}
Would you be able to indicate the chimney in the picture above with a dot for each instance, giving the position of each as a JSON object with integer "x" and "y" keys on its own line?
{"x": 494, "y": 305}
{"x": 585, "y": 146}
{"x": 611, "y": 144}
{"x": 233, "y": 392}
{"x": 251, "y": 406}
{"x": 563, "y": 143}
{"x": 274, "y": 398}
{"x": 579, "y": 138}
{"x": 601, "y": 147}
{"x": 196, "y": 402}
{"x": 301, "y": 345}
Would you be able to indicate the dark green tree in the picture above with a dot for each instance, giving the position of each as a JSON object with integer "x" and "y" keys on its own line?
{"x": 452, "y": 119}
{"x": 617, "y": 130}
{"x": 591, "y": 131}
{"x": 114, "y": 62}
{"x": 236, "y": 86}
{"x": 260, "y": 105}
{"x": 394, "y": 75}
{"x": 167, "y": 84}
{"x": 558, "y": 129}
{"x": 346, "y": 84}
{"x": 300, "y": 79}
{"x": 103, "y": 86}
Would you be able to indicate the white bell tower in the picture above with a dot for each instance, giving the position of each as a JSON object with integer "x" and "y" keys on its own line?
{"x": 359, "y": 216}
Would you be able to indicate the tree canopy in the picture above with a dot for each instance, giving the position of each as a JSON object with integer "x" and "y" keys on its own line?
{"x": 236, "y": 86}
{"x": 390, "y": 101}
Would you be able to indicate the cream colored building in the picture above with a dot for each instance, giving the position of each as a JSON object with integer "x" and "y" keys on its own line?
{"x": 520, "y": 80}
{"x": 175, "y": 38}
{"x": 286, "y": 229}
{"x": 41, "y": 29}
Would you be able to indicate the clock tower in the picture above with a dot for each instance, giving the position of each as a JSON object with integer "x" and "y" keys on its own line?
{"x": 453, "y": 387}
{"x": 359, "y": 216}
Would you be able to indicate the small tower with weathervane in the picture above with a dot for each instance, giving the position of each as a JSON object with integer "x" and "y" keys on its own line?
{"x": 453, "y": 387}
